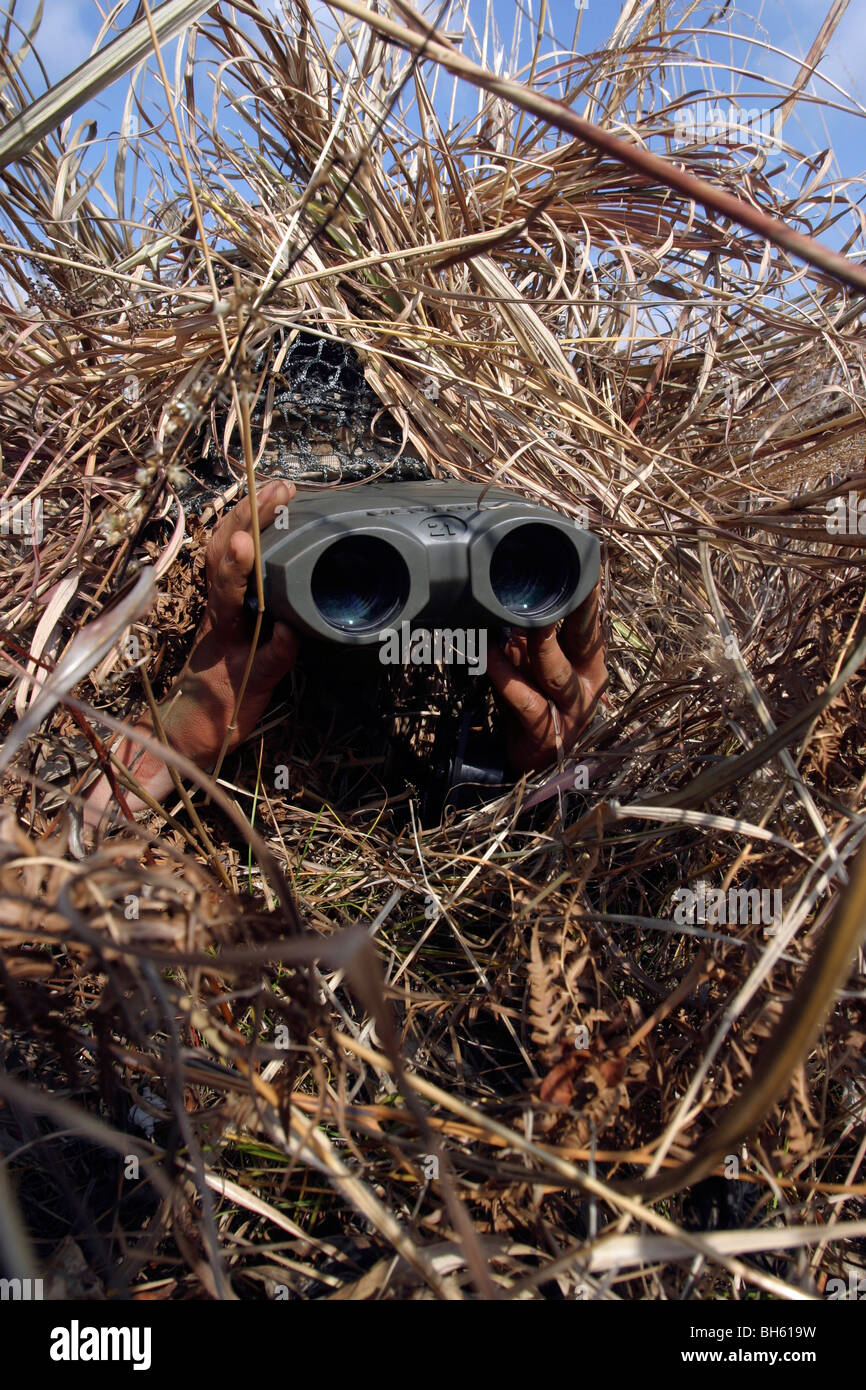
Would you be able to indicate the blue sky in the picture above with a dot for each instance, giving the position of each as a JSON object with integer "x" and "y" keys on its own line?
{"x": 787, "y": 27}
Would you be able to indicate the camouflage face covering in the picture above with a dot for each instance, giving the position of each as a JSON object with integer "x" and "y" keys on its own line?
{"x": 327, "y": 424}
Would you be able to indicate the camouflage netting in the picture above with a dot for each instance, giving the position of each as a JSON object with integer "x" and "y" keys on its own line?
{"x": 326, "y": 424}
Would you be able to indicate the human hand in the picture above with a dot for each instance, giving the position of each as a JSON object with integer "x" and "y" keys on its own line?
{"x": 197, "y": 714}
{"x": 540, "y": 671}
{"x": 197, "y": 717}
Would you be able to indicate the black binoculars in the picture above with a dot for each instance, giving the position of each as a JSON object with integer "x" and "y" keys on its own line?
{"x": 344, "y": 564}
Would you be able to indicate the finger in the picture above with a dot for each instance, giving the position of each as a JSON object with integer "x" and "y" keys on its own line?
{"x": 517, "y": 693}
{"x": 581, "y": 637}
{"x": 228, "y": 587}
{"x": 551, "y": 669}
{"x": 239, "y": 519}
{"x": 271, "y": 497}
{"x": 593, "y": 686}
{"x": 277, "y": 657}
{"x": 516, "y": 650}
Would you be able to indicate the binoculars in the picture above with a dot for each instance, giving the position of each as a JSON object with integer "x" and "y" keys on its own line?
{"x": 346, "y": 563}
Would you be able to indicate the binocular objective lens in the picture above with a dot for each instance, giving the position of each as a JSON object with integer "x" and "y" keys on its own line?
{"x": 534, "y": 568}
{"x": 359, "y": 583}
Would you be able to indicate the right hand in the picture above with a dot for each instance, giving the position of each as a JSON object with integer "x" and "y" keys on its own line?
{"x": 197, "y": 718}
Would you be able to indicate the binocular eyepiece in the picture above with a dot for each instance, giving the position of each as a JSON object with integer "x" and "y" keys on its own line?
{"x": 346, "y": 563}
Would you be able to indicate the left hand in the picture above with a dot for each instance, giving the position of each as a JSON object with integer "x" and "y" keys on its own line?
{"x": 540, "y": 671}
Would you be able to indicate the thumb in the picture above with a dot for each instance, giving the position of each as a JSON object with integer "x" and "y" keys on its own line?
{"x": 277, "y": 657}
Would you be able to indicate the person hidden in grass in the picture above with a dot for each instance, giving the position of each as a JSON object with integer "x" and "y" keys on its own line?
{"x": 547, "y": 682}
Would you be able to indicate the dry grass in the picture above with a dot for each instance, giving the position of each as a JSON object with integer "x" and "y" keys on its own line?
{"x": 597, "y": 339}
